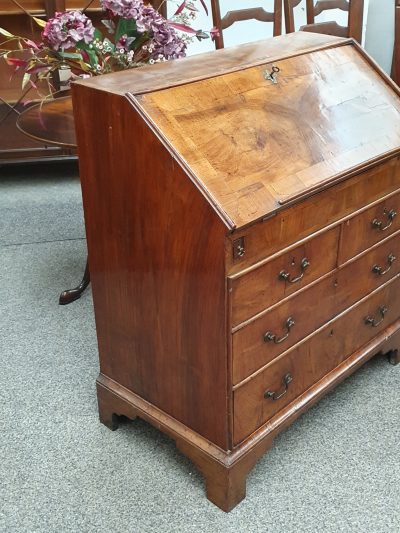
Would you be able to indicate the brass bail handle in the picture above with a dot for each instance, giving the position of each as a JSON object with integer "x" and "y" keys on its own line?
{"x": 378, "y": 224}
{"x": 376, "y": 269}
{"x": 285, "y": 276}
{"x": 272, "y": 75}
{"x": 286, "y": 380}
{"x": 371, "y": 320}
{"x": 270, "y": 337}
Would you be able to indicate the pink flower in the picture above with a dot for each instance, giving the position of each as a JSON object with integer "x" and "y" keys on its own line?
{"x": 165, "y": 42}
{"x": 128, "y": 9}
{"x": 66, "y": 29}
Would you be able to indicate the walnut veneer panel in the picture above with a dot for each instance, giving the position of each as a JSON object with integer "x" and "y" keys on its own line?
{"x": 315, "y": 213}
{"x": 313, "y": 359}
{"x": 254, "y": 144}
{"x": 280, "y": 277}
{"x": 152, "y": 270}
{"x": 310, "y": 308}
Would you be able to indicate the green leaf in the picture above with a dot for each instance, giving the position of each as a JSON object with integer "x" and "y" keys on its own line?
{"x": 5, "y": 33}
{"x": 92, "y": 57}
{"x": 70, "y": 55}
{"x": 90, "y": 52}
{"x": 81, "y": 45}
{"x": 98, "y": 34}
{"x": 125, "y": 27}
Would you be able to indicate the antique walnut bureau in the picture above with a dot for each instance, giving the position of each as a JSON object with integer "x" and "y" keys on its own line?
{"x": 242, "y": 212}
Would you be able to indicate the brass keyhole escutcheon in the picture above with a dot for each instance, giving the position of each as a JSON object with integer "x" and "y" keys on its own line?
{"x": 272, "y": 75}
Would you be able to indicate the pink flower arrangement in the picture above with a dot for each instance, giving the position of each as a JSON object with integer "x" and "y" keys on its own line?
{"x": 134, "y": 34}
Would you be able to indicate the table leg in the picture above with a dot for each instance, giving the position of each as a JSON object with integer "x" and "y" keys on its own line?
{"x": 70, "y": 295}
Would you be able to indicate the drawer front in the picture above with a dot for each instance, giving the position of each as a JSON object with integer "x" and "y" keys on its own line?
{"x": 249, "y": 246}
{"x": 282, "y": 276}
{"x": 369, "y": 227}
{"x": 286, "y": 378}
{"x": 263, "y": 339}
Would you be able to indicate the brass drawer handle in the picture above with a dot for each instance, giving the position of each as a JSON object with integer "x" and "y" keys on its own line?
{"x": 378, "y": 224}
{"x": 270, "y": 337}
{"x": 286, "y": 380}
{"x": 370, "y": 320}
{"x": 285, "y": 276}
{"x": 376, "y": 269}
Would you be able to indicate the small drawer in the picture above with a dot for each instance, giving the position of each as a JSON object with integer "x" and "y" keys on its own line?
{"x": 369, "y": 227}
{"x": 286, "y": 378}
{"x": 257, "y": 290}
{"x": 277, "y": 330}
{"x": 248, "y": 246}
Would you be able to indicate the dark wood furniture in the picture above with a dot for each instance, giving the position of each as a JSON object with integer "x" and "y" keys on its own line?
{"x": 355, "y": 9}
{"x": 242, "y": 219}
{"x": 53, "y": 123}
{"x": 15, "y": 147}
{"x": 239, "y": 15}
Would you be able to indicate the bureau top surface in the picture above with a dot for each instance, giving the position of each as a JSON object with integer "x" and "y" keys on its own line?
{"x": 253, "y": 146}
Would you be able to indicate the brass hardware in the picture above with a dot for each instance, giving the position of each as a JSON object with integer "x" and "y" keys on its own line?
{"x": 376, "y": 269}
{"x": 238, "y": 248}
{"x": 370, "y": 320}
{"x": 285, "y": 276}
{"x": 272, "y": 76}
{"x": 270, "y": 337}
{"x": 378, "y": 224}
{"x": 286, "y": 380}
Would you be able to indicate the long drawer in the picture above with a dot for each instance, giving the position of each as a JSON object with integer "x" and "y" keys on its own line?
{"x": 274, "y": 332}
{"x": 283, "y": 276}
{"x": 287, "y": 377}
{"x": 250, "y": 245}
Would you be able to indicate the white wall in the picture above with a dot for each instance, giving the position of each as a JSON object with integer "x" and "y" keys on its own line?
{"x": 378, "y": 26}
{"x": 379, "y": 35}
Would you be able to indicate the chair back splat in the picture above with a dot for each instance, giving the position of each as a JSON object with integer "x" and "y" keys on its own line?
{"x": 238, "y": 15}
{"x": 355, "y": 9}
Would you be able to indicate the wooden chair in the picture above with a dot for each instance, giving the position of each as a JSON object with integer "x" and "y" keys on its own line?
{"x": 355, "y": 9}
{"x": 396, "y": 51}
{"x": 252, "y": 13}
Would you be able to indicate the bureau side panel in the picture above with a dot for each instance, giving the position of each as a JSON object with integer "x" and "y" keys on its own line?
{"x": 156, "y": 255}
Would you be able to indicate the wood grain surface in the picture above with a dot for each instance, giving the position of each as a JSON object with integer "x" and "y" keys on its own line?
{"x": 51, "y": 122}
{"x": 315, "y": 213}
{"x": 265, "y": 286}
{"x": 202, "y": 66}
{"x": 311, "y": 308}
{"x": 156, "y": 255}
{"x": 312, "y": 360}
{"x": 369, "y": 227}
{"x": 255, "y": 144}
